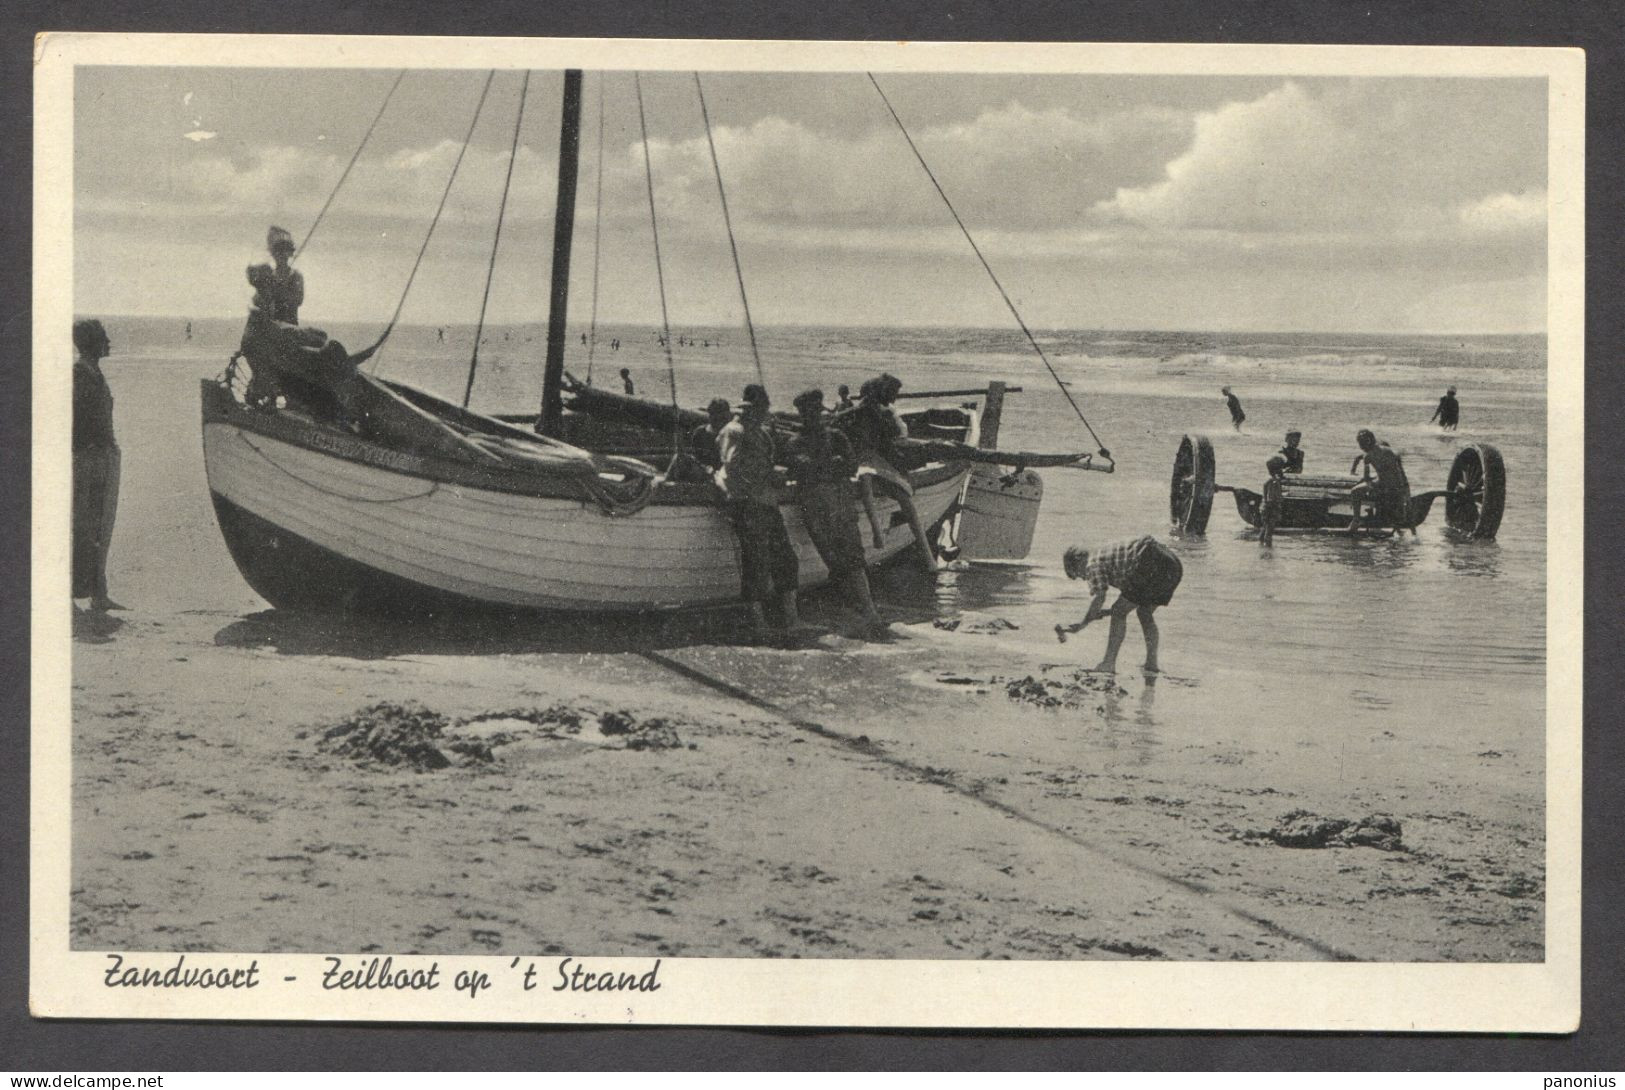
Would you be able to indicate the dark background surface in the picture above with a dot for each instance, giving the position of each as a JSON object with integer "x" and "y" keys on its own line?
{"x": 1598, "y": 27}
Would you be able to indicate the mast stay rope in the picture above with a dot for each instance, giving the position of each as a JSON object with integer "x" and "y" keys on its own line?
{"x": 660, "y": 275}
{"x": 502, "y": 210}
{"x": 988, "y": 268}
{"x": 733, "y": 247}
{"x": 597, "y": 229}
{"x": 455, "y": 167}
{"x": 351, "y": 165}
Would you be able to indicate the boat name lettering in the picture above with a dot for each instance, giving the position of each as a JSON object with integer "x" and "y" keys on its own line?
{"x": 346, "y": 448}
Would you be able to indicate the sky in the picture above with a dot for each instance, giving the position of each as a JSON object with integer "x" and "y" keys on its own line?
{"x": 1211, "y": 203}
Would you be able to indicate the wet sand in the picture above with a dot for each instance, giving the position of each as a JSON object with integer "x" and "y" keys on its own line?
{"x": 842, "y": 800}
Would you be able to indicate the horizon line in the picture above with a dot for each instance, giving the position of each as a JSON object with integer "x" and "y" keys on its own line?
{"x": 871, "y": 325}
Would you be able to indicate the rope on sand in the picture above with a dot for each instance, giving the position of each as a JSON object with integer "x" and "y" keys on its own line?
{"x": 861, "y": 744}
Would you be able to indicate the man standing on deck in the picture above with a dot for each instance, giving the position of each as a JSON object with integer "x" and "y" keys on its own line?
{"x": 1145, "y": 572}
{"x": 279, "y": 288}
{"x": 769, "y": 567}
{"x": 1448, "y": 414}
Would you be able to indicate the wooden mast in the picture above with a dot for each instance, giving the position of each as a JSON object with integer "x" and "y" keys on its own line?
{"x": 549, "y": 422}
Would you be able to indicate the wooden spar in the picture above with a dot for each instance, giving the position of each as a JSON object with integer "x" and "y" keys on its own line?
{"x": 992, "y": 412}
{"x": 563, "y": 226}
{"x": 974, "y": 392}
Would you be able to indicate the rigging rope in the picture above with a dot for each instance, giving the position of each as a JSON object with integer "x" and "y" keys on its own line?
{"x": 597, "y": 226}
{"x": 314, "y": 487}
{"x": 660, "y": 276}
{"x": 455, "y": 167}
{"x": 750, "y": 328}
{"x": 329, "y": 203}
{"x": 991, "y": 275}
{"x": 502, "y": 209}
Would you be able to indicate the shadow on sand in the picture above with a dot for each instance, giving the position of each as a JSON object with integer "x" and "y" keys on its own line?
{"x": 348, "y": 635}
{"x": 90, "y": 626}
{"x": 905, "y": 596}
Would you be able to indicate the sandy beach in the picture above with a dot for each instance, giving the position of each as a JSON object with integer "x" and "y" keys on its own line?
{"x": 833, "y": 813}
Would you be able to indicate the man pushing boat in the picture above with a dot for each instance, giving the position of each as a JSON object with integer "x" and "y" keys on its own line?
{"x": 750, "y": 484}
{"x": 1144, "y": 570}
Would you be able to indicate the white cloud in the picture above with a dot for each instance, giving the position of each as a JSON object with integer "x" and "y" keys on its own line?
{"x": 1010, "y": 168}
{"x": 1505, "y": 212}
{"x": 1347, "y": 156}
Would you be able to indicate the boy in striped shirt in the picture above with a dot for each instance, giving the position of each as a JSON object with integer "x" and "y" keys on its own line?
{"x": 1145, "y": 572}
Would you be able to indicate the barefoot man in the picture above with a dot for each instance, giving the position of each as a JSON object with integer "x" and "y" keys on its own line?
{"x": 1144, "y": 570}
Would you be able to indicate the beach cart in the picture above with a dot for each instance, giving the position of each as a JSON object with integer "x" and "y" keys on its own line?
{"x": 1474, "y": 497}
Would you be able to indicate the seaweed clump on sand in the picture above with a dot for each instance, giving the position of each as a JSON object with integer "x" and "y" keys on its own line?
{"x": 653, "y": 733}
{"x": 1077, "y": 691}
{"x": 971, "y": 622}
{"x": 1303, "y": 829}
{"x": 557, "y": 721}
{"x": 393, "y": 734}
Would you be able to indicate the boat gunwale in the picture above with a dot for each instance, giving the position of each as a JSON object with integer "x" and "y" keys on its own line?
{"x": 220, "y": 406}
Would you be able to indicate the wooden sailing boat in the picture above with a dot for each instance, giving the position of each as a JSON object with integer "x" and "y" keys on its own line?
{"x": 398, "y": 500}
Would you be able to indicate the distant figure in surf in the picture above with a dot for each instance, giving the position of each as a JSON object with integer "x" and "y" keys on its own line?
{"x": 1448, "y": 414}
{"x": 440, "y": 333}
{"x": 1385, "y": 490}
{"x": 188, "y": 330}
{"x": 1269, "y": 508}
{"x": 1145, "y": 572}
{"x": 1236, "y": 413}
{"x": 1291, "y": 453}
{"x": 95, "y": 466}
{"x": 626, "y": 381}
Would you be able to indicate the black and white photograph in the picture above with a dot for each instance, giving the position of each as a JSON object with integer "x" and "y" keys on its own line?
{"x": 808, "y": 534}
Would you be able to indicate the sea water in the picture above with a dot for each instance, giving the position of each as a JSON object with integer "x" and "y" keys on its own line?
{"x": 1399, "y": 661}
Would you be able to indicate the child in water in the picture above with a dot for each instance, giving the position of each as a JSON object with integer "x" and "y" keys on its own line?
{"x": 1269, "y": 508}
{"x": 1236, "y": 413}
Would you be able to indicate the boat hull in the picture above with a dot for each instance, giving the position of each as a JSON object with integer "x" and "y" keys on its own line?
{"x": 311, "y": 523}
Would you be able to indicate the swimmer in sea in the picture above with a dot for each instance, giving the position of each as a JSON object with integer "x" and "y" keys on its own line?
{"x": 1236, "y": 413}
{"x": 1448, "y": 414}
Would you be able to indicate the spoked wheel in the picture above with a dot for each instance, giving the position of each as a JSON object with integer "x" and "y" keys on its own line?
{"x": 1476, "y": 492}
{"x": 1190, "y": 495}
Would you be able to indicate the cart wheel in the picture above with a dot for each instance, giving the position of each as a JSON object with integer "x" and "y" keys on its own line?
{"x": 1190, "y": 495}
{"x": 1476, "y": 492}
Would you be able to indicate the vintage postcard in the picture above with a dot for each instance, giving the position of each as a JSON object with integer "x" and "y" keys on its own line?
{"x": 798, "y": 533}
